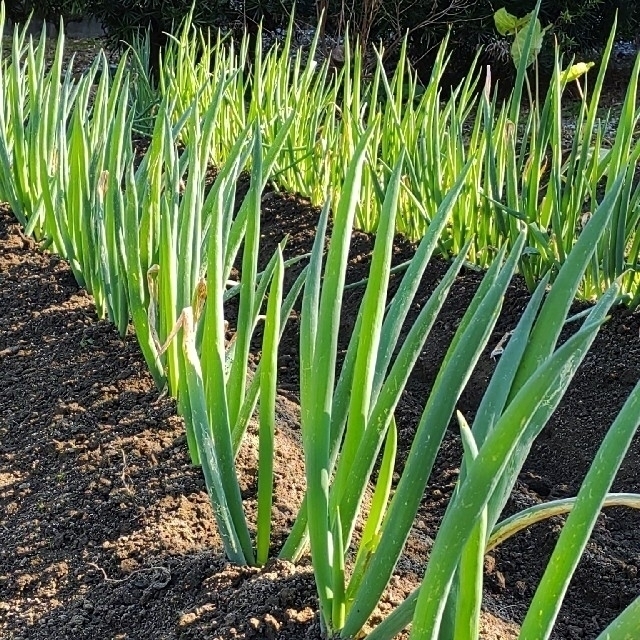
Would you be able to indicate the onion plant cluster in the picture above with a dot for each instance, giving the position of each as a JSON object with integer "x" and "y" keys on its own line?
{"x": 526, "y": 166}
{"x": 156, "y": 241}
{"x": 59, "y": 139}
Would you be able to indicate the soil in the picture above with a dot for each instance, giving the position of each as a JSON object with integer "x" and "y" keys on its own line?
{"x": 107, "y": 531}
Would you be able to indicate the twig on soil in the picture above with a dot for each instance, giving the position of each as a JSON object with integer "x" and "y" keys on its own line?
{"x": 162, "y": 581}
{"x": 123, "y": 476}
{"x": 499, "y": 349}
{"x": 9, "y": 351}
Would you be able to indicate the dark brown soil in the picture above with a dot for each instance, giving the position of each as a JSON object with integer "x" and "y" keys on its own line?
{"x": 106, "y": 528}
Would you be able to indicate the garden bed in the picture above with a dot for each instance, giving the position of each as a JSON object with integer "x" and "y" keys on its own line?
{"x": 107, "y": 529}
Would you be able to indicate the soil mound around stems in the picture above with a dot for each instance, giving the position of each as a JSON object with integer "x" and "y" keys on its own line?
{"x": 106, "y": 528}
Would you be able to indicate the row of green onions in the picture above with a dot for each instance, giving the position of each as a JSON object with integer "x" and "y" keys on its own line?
{"x": 156, "y": 245}
{"x": 525, "y": 167}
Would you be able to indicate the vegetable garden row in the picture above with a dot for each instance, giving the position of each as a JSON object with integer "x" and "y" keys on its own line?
{"x": 468, "y": 177}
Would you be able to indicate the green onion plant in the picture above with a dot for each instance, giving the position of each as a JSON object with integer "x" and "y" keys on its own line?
{"x": 348, "y": 423}
{"x": 525, "y": 170}
{"x": 58, "y": 139}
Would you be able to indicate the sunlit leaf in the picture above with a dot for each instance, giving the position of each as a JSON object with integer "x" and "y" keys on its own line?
{"x": 575, "y": 71}
{"x": 507, "y": 24}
